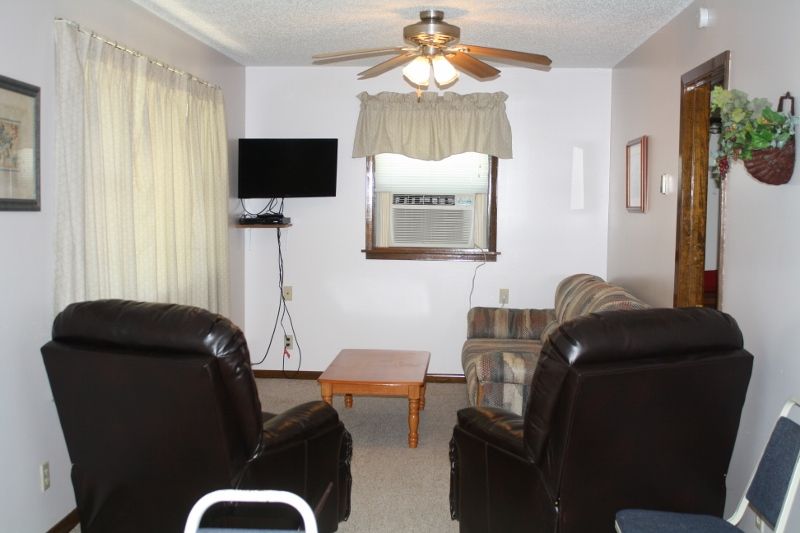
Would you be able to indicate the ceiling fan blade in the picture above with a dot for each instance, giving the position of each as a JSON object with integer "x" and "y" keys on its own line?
{"x": 472, "y": 66}
{"x": 354, "y": 54}
{"x": 500, "y": 53}
{"x": 389, "y": 64}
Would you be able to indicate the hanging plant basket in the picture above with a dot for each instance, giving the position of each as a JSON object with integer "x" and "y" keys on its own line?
{"x": 773, "y": 166}
{"x": 755, "y": 134}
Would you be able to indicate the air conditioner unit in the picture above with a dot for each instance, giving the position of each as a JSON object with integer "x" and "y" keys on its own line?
{"x": 433, "y": 220}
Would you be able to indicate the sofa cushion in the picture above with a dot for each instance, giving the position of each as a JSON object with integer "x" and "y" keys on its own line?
{"x": 581, "y": 294}
{"x": 548, "y": 330}
{"x": 570, "y": 292}
{"x": 505, "y": 323}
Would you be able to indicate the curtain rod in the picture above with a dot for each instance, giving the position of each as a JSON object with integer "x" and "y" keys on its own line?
{"x": 135, "y": 53}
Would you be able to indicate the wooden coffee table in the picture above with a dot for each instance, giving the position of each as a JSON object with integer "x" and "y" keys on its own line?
{"x": 379, "y": 373}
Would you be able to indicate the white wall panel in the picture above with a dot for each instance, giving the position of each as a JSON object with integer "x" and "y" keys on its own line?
{"x": 342, "y": 300}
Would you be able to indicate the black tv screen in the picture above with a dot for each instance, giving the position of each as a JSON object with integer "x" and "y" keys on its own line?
{"x": 287, "y": 168}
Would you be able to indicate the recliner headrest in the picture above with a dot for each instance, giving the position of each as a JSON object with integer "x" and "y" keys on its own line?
{"x": 170, "y": 330}
{"x": 612, "y": 336}
{"x": 171, "y": 327}
{"x": 616, "y": 337}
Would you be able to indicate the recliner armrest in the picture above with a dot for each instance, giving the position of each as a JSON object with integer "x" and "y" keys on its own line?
{"x": 497, "y": 427}
{"x": 298, "y": 423}
{"x": 303, "y": 450}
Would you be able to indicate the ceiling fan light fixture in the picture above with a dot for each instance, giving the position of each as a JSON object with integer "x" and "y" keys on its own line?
{"x": 443, "y": 71}
{"x": 433, "y": 45}
{"x": 418, "y": 71}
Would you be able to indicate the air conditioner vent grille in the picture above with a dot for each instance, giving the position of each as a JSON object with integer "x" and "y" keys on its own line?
{"x": 432, "y": 227}
{"x": 424, "y": 199}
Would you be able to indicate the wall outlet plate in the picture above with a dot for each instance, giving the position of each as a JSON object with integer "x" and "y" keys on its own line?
{"x": 503, "y": 296}
{"x": 288, "y": 342}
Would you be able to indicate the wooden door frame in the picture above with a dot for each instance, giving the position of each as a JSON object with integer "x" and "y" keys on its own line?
{"x": 693, "y": 147}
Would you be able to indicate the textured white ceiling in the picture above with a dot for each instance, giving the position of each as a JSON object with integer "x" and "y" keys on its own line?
{"x": 573, "y": 33}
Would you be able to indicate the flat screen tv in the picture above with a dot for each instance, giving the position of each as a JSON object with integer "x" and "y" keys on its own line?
{"x": 287, "y": 168}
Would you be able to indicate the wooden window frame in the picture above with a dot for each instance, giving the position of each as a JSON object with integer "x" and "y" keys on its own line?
{"x": 488, "y": 255}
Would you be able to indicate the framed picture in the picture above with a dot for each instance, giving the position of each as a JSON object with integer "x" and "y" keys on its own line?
{"x": 19, "y": 146}
{"x": 636, "y": 175}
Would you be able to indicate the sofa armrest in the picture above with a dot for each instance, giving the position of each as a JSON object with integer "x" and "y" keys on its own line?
{"x": 497, "y": 427}
{"x": 499, "y": 372}
{"x": 495, "y": 363}
{"x": 503, "y": 323}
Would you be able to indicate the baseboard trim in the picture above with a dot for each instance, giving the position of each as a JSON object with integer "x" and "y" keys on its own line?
{"x": 67, "y": 524}
{"x": 445, "y": 378}
{"x": 288, "y": 374}
{"x": 308, "y": 374}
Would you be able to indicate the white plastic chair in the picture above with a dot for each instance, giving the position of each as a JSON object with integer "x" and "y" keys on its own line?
{"x": 770, "y": 492}
{"x": 249, "y": 496}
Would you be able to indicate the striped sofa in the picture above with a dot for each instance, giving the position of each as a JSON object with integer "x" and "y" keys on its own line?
{"x": 503, "y": 345}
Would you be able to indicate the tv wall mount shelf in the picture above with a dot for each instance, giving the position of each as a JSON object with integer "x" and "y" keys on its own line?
{"x": 264, "y": 221}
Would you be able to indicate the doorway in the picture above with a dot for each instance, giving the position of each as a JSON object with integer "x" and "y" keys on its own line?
{"x": 701, "y": 198}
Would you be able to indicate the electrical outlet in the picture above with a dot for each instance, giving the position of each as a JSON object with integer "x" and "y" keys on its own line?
{"x": 44, "y": 476}
{"x": 287, "y": 293}
{"x": 503, "y": 296}
{"x": 288, "y": 342}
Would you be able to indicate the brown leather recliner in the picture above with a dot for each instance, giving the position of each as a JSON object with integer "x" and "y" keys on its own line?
{"x": 159, "y": 406}
{"x": 628, "y": 409}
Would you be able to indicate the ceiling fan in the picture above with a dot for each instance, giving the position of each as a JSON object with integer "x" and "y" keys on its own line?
{"x": 433, "y": 44}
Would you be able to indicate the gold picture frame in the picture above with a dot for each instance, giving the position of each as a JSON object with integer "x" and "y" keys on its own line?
{"x": 19, "y": 146}
{"x": 636, "y": 175}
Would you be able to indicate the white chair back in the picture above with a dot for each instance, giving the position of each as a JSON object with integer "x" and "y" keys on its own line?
{"x": 250, "y": 496}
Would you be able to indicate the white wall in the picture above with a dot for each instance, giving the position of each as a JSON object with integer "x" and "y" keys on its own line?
{"x": 30, "y": 429}
{"x": 28, "y": 421}
{"x": 341, "y": 300}
{"x": 762, "y": 257}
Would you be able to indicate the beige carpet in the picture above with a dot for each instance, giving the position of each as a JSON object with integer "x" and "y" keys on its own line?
{"x": 395, "y": 488}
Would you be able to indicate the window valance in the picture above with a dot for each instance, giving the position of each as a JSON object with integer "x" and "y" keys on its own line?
{"x": 433, "y": 127}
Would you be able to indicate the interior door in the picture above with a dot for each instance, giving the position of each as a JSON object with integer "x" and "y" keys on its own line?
{"x": 691, "y": 279}
{"x": 691, "y": 238}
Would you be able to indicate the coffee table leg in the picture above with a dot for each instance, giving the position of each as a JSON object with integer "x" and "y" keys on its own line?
{"x": 348, "y": 400}
{"x": 413, "y": 417}
{"x": 327, "y": 393}
{"x": 422, "y": 397}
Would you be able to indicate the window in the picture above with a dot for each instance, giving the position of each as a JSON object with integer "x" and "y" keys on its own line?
{"x": 433, "y": 210}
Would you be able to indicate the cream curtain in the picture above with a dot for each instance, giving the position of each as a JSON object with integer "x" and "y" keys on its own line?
{"x": 433, "y": 127}
{"x": 142, "y": 178}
